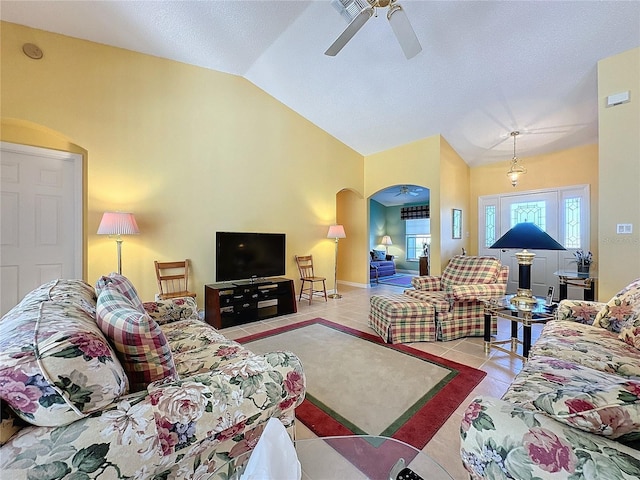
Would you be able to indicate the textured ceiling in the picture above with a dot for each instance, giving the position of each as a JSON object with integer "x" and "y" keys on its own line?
{"x": 486, "y": 68}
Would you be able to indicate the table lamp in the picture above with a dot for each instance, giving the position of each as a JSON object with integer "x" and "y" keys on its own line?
{"x": 386, "y": 241}
{"x": 336, "y": 231}
{"x": 526, "y": 235}
{"x": 118, "y": 223}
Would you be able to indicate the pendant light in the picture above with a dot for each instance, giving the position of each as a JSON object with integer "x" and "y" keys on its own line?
{"x": 516, "y": 169}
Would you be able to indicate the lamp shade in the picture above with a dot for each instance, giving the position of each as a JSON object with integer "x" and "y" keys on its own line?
{"x": 527, "y": 235}
{"x": 118, "y": 223}
{"x": 336, "y": 231}
{"x": 386, "y": 240}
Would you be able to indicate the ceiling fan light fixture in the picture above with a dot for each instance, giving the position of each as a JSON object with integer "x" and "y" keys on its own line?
{"x": 358, "y": 12}
{"x": 516, "y": 169}
{"x": 349, "y": 9}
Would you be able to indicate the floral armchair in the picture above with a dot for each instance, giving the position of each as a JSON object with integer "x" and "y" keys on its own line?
{"x": 458, "y": 295}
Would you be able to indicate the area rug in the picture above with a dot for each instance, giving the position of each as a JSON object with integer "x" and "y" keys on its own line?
{"x": 398, "y": 280}
{"x": 357, "y": 384}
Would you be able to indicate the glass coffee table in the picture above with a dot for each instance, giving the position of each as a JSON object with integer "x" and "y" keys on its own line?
{"x": 365, "y": 457}
{"x": 502, "y": 307}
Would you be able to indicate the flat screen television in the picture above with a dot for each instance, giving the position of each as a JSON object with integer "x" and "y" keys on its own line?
{"x": 245, "y": 256}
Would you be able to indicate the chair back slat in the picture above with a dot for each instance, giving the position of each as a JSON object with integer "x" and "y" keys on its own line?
{"x": 305, "y": 266}
{"x": 173, "y": 279}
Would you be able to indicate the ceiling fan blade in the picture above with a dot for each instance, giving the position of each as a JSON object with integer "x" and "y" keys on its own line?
{"x": 403, "y": 31}
{"x": 355, "y": 25}
{"x": 413, "y": 194}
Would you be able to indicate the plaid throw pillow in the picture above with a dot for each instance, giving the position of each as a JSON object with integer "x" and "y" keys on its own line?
{"x": 123, "y": 285}
{"x": 472, "y": 270}
{"x": 141, "y": 346}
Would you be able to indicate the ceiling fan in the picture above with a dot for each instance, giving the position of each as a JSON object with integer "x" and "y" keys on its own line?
{"x": 404, "y": 190}
{"x": 357, "y": 12}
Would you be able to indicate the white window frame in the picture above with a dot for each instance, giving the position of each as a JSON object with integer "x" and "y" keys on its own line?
{"x": 414, "y": 233}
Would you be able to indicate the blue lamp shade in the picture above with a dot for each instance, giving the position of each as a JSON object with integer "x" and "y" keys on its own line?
{"x": 527, "y": 235}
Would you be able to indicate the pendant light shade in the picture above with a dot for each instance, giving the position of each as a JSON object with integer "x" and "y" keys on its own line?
{"x": 516, "y": 169}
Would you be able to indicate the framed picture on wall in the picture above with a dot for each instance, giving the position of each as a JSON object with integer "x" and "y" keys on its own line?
{"x": 456, "y": 223}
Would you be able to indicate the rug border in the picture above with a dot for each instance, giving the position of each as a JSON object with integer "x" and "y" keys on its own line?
{"x": 385, "y": 280}
{"x": 440, "y": 409}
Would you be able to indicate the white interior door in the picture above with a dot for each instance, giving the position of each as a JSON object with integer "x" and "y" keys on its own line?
{"x": 41, "y": 222}
{"x": 542, "y": 210}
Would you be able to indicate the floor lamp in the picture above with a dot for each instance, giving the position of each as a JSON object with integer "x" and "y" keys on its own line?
{"x": 337, "y": 232}
{"x": 526, "y": 235}
{"x": 118, "y": 223}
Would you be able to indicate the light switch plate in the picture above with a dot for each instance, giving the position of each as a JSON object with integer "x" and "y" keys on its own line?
{"x": 624, "y": 228}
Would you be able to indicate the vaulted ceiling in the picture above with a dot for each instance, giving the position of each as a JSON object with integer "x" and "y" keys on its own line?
{"x": 486, "y": 67}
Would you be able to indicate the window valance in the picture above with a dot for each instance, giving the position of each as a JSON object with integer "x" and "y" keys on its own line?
{"x": 413, "y": 212}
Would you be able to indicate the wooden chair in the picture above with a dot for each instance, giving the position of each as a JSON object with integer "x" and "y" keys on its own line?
{"x": 305, "y": 267}
{"x": 173, "y": 279}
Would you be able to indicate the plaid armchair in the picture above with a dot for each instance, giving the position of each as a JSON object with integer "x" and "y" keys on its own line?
{"x": 458, "y": 295}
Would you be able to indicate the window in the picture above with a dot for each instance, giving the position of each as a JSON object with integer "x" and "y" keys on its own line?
{"x": 572, "y": 232}
{"x": 417, "y": 236}
{"x": 490, "y": 225}
{"x": 529, "y": 212}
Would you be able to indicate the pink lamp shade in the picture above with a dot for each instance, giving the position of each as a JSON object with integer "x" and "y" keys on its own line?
{"x": 336, "y": 231}
{"x": 118, "y": 223}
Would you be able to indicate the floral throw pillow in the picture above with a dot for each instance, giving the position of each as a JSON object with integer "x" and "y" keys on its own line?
{"x": 139, "y": 342}
{"x": 622, "y": 310}
{"x": 56, "y": 366}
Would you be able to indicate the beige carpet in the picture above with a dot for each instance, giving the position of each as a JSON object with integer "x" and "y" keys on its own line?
{"x": 388, "y": 384}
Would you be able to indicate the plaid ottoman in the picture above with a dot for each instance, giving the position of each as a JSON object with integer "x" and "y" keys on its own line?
{"x": 402, "y": 319}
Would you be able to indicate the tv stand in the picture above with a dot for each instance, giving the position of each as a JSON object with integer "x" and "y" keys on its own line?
{"x": 234, "y": 303}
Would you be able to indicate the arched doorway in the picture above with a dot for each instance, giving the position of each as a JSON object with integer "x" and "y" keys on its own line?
{"x": 389, "y": 217}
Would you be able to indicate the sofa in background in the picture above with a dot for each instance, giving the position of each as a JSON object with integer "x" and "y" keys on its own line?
{"x": 458, "y": 295}
{"x": 574, "y": 410}
{"x": 100, "y": 385}
{"x": 381, "y": 265}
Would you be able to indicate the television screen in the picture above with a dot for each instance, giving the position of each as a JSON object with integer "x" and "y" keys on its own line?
{"x": 241, "y": 256}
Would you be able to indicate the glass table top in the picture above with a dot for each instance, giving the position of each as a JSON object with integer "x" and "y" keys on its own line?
{"x": 364, "y": 457}
{"x": 575, "y": 274}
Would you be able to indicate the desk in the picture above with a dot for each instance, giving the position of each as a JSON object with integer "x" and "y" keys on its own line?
{"x": 586, "y": 281}
{"x": 502, "y": 307}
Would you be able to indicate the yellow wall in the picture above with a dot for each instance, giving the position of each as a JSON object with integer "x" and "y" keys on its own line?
{"x": 190, "y": 151}
{"x": 575, "y": 166}
{"x": 619, "y": 145}
{"x": 431, "y": 163}
{"x": 454, "y": 193}
{"x": 416, "y": 163}
{"x": 353, "y": 250}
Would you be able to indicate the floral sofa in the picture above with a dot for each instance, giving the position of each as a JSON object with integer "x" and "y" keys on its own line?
{"x": 458, "y": 295}
{"x": 574, "y": 410}
{"x": 96, "y": 384}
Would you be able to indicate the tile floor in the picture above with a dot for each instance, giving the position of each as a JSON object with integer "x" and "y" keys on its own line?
{"x": 352, "y": 310}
